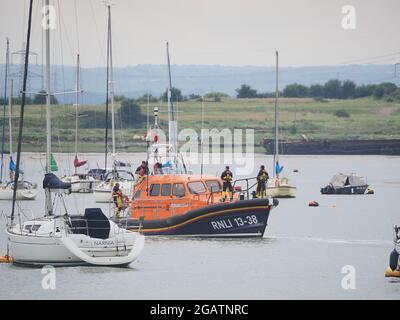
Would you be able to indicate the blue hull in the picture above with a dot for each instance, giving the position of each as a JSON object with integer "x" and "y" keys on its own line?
{"x": 345, "y": 190}
{"x": 246, "y": 218}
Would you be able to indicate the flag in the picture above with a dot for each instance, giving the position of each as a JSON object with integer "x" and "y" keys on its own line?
{"x": 53, "y": 163}
{"x": 167, "y": 164}
{"x": 278, "y": 168}
{"x": 78, "y": 163}
{"x": 12, "y": 167}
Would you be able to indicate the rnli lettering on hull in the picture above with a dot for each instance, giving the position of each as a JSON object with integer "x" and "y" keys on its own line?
{"x": 237, "y": 222}
{"x": 221, "y": 224}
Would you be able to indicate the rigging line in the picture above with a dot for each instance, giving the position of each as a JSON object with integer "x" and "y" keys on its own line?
{"x": 107, "y": 89}
{"x": 4, "y": 112}
{"x": 61, "y": 21}
{"x": 21, "y": 116}
{"x": 62, "y": 54}
{"x": 76, "y": 26}
{"x": 101, "y": 47}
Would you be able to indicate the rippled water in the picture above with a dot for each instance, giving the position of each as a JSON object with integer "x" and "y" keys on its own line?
{"x": 301, "y": 255}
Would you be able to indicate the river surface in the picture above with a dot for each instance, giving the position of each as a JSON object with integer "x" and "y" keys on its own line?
{"x": 302, "y": 255}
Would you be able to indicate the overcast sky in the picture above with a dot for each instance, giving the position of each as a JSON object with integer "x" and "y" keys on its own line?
{"x": 226, "y": 32}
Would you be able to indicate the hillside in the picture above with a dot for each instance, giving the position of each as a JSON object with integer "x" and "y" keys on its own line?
{"x": 363, "y": 119}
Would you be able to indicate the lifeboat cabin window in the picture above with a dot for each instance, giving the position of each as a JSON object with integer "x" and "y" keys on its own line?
{"x": 213, "y": 185}
{"x": 178, "y": 190}
{"x": 196, "y": 187}
{"x": 166, "y": 189}
{"x": 154, "y": 190}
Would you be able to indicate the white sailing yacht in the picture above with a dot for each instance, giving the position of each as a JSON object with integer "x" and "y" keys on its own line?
{"x": 279, "y": 186}
{"x": 65, "y": 239}
{"x": 25, "y": 190}
{"x": 118, "y": 173}
{"x": 80, "y": 182}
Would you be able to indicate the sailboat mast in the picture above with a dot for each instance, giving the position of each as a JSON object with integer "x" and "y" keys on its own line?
{"x": 49, "y": 205}
{"x": 10, "y": 96}
{"x": 111, "y": 86}
{"x": 201, "y": 135}
{"x": 4, "y": 112}
{"x": 276, "y": 154}
{"x": 107, "y": 85}
{"x": 171, "y": 112}
{"x": 21, "y": 114}
{"x": 78, "y": 88}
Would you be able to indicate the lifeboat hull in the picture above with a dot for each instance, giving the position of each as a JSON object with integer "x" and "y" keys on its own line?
{"x": 246, "y": 218}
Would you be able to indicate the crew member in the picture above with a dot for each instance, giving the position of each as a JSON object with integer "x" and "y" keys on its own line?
{"x": 158, "y": 168}
{"x": 142, "y": 170}
{"x": 118, "y": 199}
{"x": 227, "y": 189}
{"x": 262, "y": 179}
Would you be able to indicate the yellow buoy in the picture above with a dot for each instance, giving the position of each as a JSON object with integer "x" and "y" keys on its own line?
{"x": 390, "y": 273}
{"x": 6, "y": 259}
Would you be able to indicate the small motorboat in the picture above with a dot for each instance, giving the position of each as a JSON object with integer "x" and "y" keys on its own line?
{"x": 280, "y": 188}
{"x": 394, "y": 266}
{"x": 343, "y": 183}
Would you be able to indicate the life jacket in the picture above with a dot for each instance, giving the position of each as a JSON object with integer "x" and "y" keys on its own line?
{"x": 262, "y": 175}
{"x": 227, "y": 176}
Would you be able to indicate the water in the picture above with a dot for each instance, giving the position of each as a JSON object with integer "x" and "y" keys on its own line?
{"x": 300, "y": 257}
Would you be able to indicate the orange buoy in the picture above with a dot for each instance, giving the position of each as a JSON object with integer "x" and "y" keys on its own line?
{"x": 6, "y": 259}
{"x": 313, "y": 204}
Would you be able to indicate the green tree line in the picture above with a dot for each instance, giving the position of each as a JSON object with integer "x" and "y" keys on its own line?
{"x": 332, "y": 89}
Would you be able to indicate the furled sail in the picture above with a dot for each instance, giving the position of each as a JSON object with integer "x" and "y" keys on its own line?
{"x": 51, "y": 181}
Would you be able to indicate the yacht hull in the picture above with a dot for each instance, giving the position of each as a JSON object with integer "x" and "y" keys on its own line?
{"x": 50, "y": 250}
{"x": 281, "y": 192}
{"x": 26, "y": 194}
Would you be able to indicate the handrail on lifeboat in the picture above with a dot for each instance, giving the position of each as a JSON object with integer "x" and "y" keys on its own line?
{"x": 248, "y": 187}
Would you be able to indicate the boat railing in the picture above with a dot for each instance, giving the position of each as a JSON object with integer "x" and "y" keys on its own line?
{"x": 82, "y": 226}
{"x": 249, "y": 185}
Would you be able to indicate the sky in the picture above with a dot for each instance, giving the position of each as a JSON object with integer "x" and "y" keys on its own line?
{"x": 211, "y": 32}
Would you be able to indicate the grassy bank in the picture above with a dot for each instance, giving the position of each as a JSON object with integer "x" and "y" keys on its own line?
{"x": 327, "y": 119}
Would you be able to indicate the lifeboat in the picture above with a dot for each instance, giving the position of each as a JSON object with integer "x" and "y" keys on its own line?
{"x": 192, "y": 205}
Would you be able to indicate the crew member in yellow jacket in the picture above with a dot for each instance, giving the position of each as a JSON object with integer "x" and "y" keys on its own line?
{"x": 118, "y": 199}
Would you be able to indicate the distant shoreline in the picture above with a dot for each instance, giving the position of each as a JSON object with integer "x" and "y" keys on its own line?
{"x": 337, "y": 147}
{"x": 389, "y": 147}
